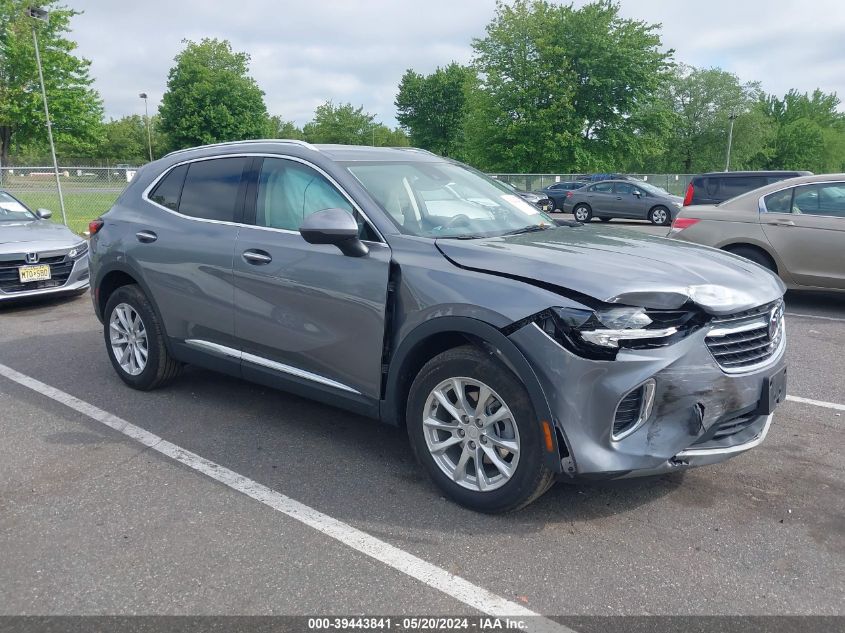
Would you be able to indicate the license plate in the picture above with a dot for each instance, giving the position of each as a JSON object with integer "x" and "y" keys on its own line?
{"x": 774, "y": 392}
{"x": 34, "y": 273}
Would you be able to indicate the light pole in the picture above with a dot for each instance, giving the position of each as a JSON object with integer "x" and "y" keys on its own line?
{"x": 731, "y": 117}
{"x": 143, "y": 95}
{"x": 44, "y": 16}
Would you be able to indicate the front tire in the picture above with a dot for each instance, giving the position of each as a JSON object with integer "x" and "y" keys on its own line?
{"x": 659, "y": 216}
{"x": 582, "y": 213}
{"x": 472, "y": 426}
{"x": 134, "y": 340}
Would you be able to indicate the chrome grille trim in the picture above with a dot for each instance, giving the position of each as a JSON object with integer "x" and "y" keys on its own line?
{"x": 748, "y": 340}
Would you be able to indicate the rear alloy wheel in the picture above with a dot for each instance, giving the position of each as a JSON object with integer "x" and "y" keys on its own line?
{"x": 659, "y": 216}
{"x": 472, "y": 426}
{"x": 582, "y": 213}
{"x": 135, "y": 340}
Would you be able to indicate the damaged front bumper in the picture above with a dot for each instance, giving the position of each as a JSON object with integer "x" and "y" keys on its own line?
{"x": 700, "y": 414}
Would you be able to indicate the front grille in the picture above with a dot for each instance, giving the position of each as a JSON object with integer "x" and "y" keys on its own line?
{"x": 60, "y": 269}
{"x": 747, "y": 339}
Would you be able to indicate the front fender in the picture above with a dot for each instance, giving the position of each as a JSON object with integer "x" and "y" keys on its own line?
{"x": 402, "y": 361}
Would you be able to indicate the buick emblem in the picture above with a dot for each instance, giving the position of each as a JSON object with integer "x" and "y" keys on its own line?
{"x": 31, "y": 258}
{"x": 775, "y": 317}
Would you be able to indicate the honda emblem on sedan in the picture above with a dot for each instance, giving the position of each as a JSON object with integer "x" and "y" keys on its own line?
{"x": 31, "y": 258}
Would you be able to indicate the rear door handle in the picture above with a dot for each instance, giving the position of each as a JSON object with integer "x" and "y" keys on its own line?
{"x": 146, "y": 237}
{"x": 256, "y": 257}
{"x": 618, "y": 197}
{"x": 782, "y": 223}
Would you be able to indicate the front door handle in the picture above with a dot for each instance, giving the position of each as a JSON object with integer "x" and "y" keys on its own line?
{"x": 146, "y": 237}
{"x": 782, "y": 223}
{"x": 618, "y": 197}
{"x": 257, "y": 258}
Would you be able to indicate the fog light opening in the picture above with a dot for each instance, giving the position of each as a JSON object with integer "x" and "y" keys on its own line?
{"x": 633, "y": 410}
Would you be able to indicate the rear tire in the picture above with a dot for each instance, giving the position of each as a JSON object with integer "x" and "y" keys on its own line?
{"x": 470, "y": 432}
{"x": 135, "y": 340}
{"x": 582, "y": 213}
{"x": 756, "y": 256}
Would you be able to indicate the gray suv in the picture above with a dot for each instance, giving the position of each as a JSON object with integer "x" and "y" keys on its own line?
{"x": 417, "y": 291}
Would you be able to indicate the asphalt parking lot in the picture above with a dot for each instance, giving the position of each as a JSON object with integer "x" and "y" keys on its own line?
{"x": 94, "y": 522}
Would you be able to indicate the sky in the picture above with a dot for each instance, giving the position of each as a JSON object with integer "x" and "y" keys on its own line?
{"x": 307, "y": 52}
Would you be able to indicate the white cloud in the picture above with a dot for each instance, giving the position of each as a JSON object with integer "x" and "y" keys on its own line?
{"x": 304, "y": 52}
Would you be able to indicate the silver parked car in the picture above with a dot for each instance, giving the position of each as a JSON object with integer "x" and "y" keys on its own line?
{"x": 630, "y": 199}
{"x": 38, "y": 257}
{"x": 345, "y": 274}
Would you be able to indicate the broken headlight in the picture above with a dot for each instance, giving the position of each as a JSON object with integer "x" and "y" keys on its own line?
{"x": 599, "y": 334}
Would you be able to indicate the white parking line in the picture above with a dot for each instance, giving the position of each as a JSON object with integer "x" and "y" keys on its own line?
{"x": 815, "y": 316}
{"x": 425, "y": 572}
{"x": 817, "y": 403}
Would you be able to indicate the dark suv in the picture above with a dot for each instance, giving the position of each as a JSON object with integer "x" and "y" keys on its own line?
{"x": 719, "y": 186}
{"x": 412, "y": 289}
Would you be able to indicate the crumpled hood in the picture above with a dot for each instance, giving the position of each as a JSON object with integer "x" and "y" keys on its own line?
{"x": 623, "y": 267}
{"x": 35, "y": 235}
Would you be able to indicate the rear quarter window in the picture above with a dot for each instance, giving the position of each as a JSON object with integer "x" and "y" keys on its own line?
{"x": 168, "y": 190}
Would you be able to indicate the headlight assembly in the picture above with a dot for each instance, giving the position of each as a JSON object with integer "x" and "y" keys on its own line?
{"x": 600, "y": 334}
{"x": 78, "y": 251}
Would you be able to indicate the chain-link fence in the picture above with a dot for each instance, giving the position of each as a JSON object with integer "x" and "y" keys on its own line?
{"x": 675, "y": 184}
{"x": 87, "y": 191}
{"x": 91, "y": 191}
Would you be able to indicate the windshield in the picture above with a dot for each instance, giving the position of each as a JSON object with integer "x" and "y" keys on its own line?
{"x": 651, "y": 188}
{"x": 441, "y": 199}
{"x": 13, "y": 211}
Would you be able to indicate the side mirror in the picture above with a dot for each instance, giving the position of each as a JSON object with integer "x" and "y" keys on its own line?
{"x": 44, "y": 214}
{"x": 334, "y": 226}
{"x": 638, "y": 193}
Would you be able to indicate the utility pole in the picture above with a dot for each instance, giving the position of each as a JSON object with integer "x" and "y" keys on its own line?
{"x": 143, "y": 95}
{"x": 44, "y": 16}
{"x": 731, "y": 117}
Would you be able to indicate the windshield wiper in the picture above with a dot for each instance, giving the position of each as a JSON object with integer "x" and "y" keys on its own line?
{"x": 462, "y": 236}
{"x": 531, "y": 228}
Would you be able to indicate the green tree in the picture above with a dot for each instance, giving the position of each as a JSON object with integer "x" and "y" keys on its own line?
{"x": 277, "y": 127}
{"x": 75, "y": 108}
{"x": 563, "y": 88}
{"x": 125, "y": 140}
{"x": 702, "y": 101}
{"x": 349, "y": 125}
{"x": 810, "y": 132}
{"x": 211, "y": 97}
{"x": 432, "y": 107}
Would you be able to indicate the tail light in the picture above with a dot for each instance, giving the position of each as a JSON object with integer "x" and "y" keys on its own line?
{"x": 94, "y": 226}
{"x": 679, "y": 224}
{"x": 689, "y": 195}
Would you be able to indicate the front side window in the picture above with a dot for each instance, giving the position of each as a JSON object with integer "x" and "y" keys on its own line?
{"x": 211, "y": 188}
{"x": 289, "y": 191}
{"x": 624, "y": 189}
{"x": 443, "y": 199}
{"x": 13, "y": 211}
{"x": 827, "y": 199}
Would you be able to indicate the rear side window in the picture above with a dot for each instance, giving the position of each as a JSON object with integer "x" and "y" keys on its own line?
{"x": 779, "y": 202}
{"x": 169, "y": 189}
{"x": 211, "y": 189}
{"x": 735, "y": 186}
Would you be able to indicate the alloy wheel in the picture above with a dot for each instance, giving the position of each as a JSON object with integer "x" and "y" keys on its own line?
{"x": 658, "y": 216}
{"x": 128, "y": 338}
{"x": 581, "y": 214}
{"x": 471, "y": 434}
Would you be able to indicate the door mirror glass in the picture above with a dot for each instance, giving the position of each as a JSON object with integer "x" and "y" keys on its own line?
{"x": 44, "y": 214}
{"x": 333, "y": 226}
